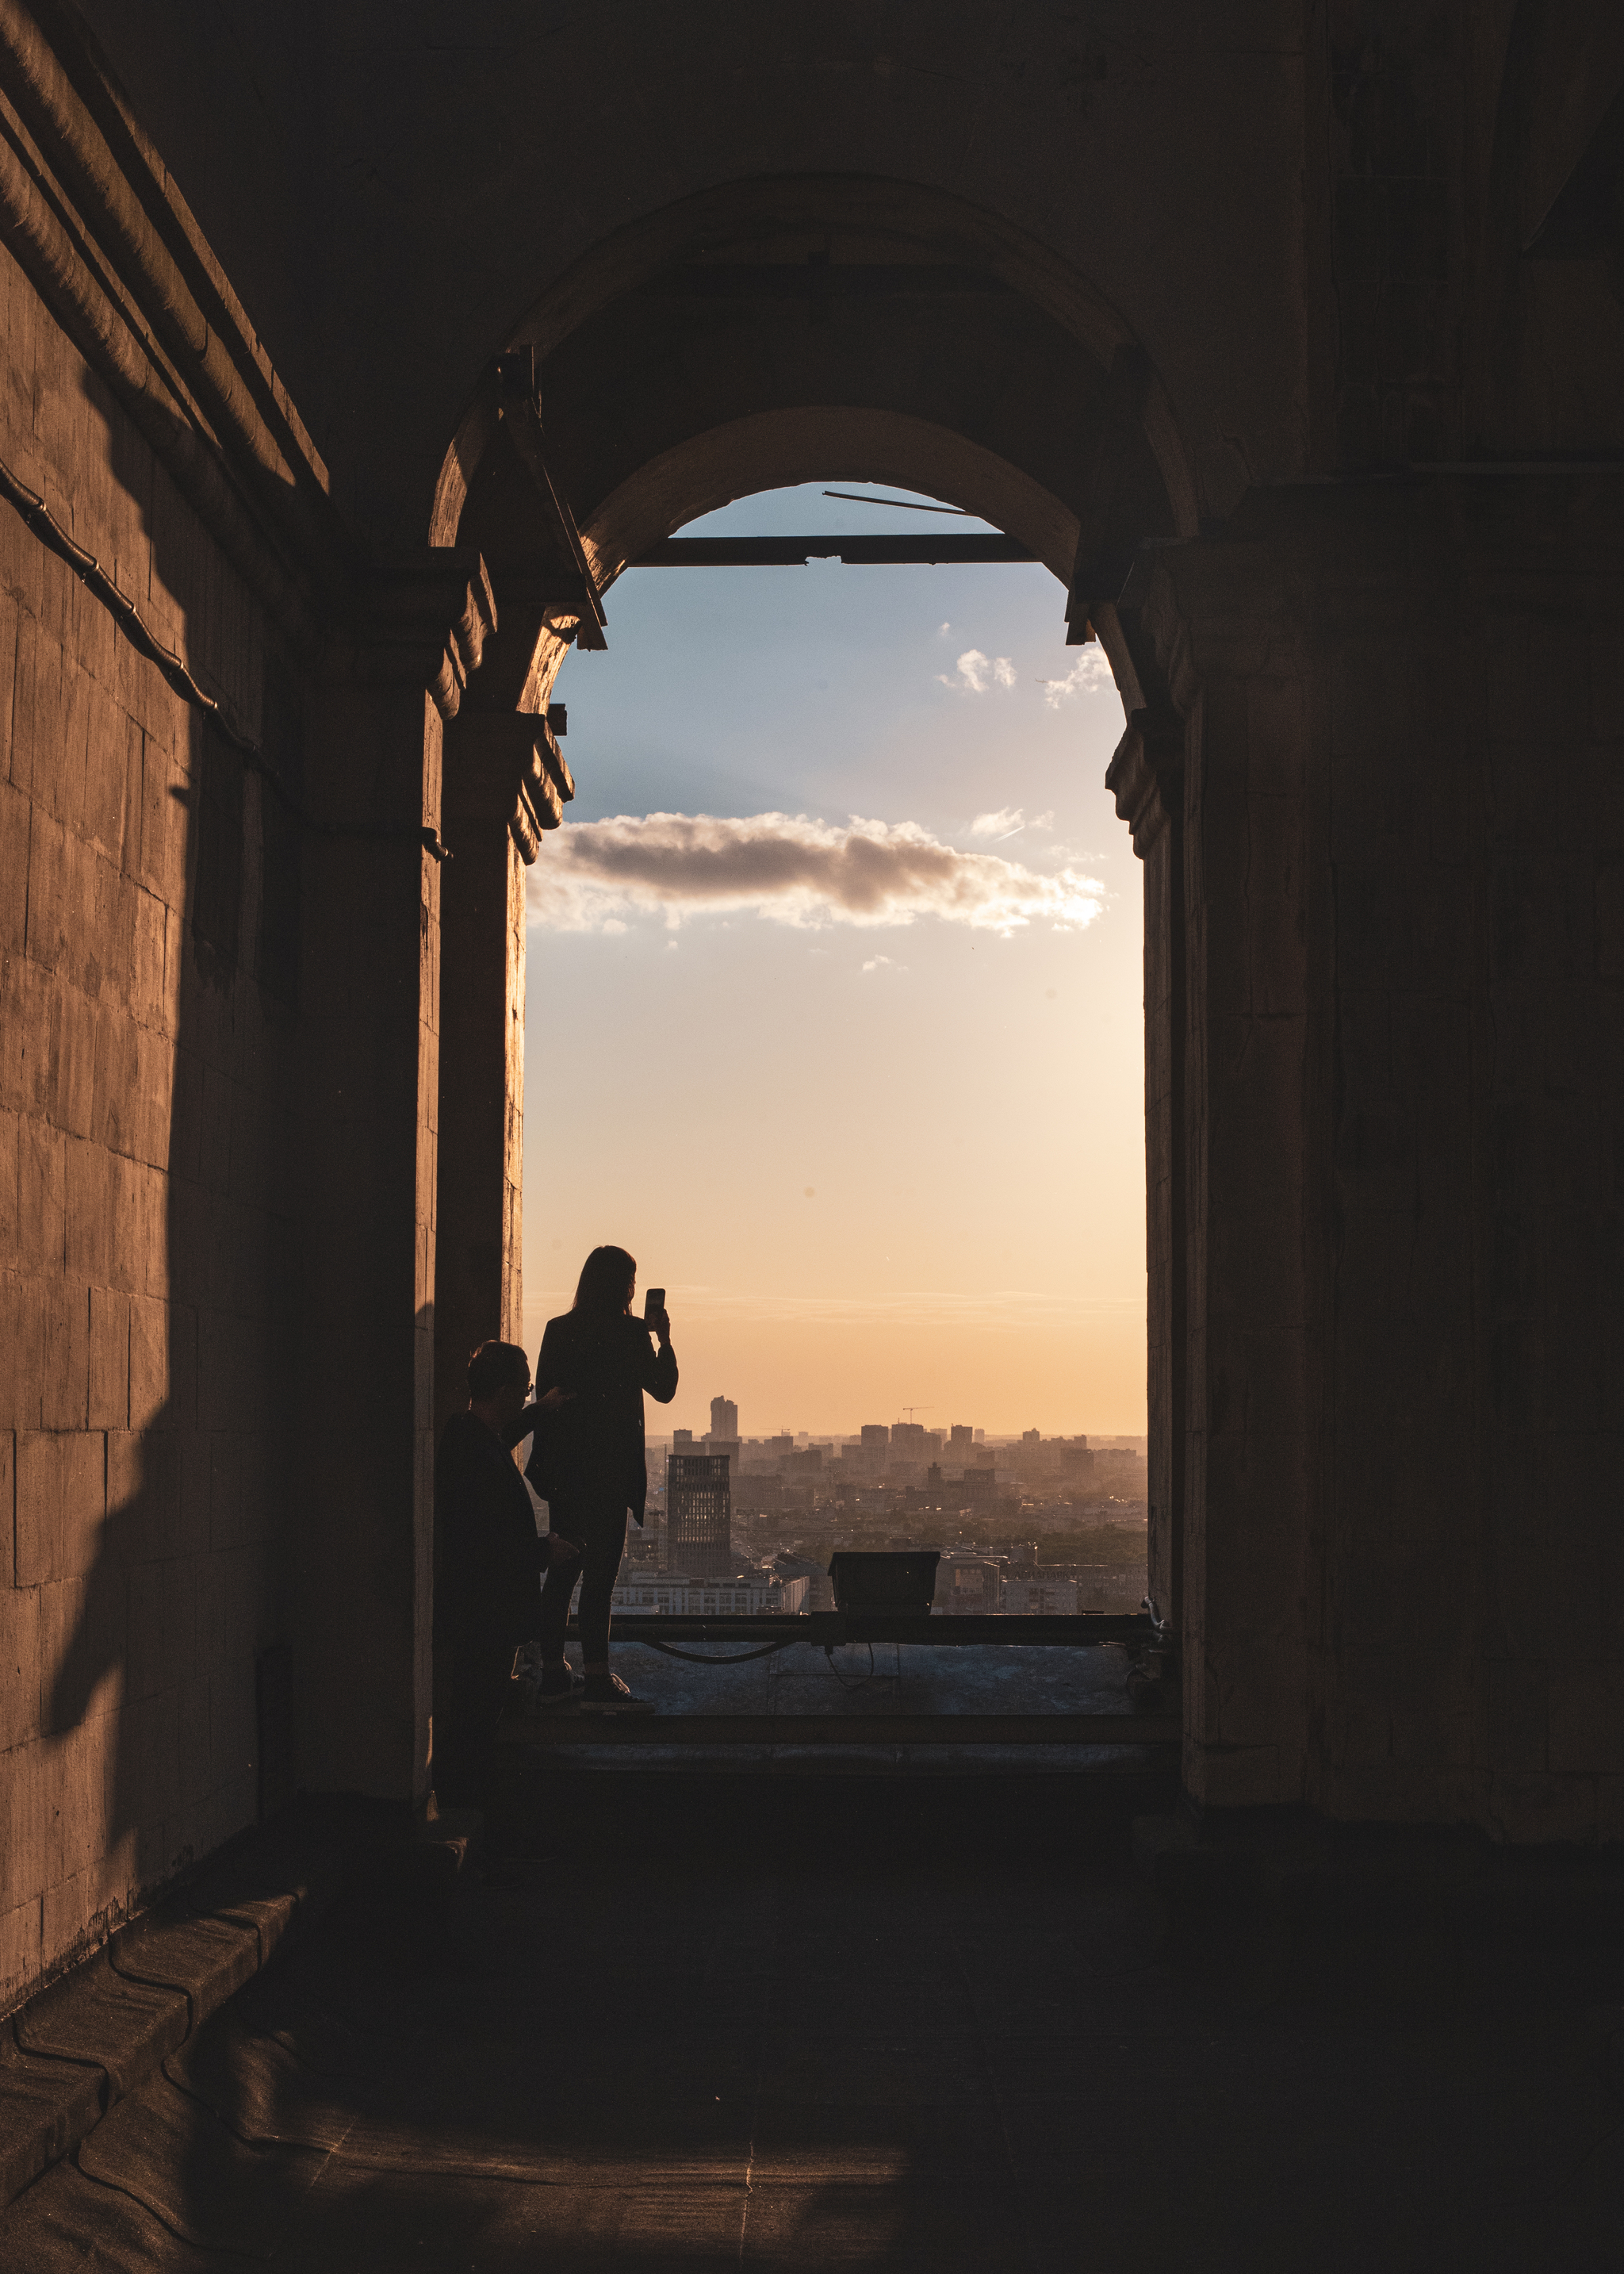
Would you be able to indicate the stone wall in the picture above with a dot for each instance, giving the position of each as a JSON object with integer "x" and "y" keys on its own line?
{"x": 148, "y": 1277}
{"x": 1475, "y": 1566}
{"x": 1403, "y": 1573}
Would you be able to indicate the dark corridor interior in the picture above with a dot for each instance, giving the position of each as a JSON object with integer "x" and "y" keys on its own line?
{"x": 725, "y": 2020}
{"x": 350, "y": 353}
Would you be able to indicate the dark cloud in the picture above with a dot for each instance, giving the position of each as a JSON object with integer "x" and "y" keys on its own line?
{"x": 595, "y": 875}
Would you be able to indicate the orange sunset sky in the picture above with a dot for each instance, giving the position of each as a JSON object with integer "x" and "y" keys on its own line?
{"x": 834, "y": 994}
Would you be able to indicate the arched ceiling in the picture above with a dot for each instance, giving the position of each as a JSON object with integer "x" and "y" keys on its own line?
{"x": 390, "y": 187}
{"x": 789, "y": 330}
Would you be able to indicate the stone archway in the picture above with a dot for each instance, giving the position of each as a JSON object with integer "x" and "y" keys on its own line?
{"x": 921, "y": 344}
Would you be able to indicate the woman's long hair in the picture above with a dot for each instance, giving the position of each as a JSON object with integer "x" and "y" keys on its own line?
{"x": 604, "y": 1287}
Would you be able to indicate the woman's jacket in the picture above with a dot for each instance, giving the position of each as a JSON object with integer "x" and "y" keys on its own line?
{"x": 593, "y": 1447}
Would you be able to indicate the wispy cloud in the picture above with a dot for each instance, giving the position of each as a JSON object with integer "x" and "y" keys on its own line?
{"x": 792, "y": 871}
{"x": 1088, "y": 675}
{"x": 1008, "y": 820}
{"x": 976, "y": 672}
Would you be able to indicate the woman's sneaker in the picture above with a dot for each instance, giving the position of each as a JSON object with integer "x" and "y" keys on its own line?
{"x": 607, "y": 1693}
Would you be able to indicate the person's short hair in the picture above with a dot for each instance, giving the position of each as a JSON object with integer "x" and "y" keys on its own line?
{"x": 494, "y": 1366}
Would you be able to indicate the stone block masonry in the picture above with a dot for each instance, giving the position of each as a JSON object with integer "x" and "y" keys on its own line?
{"x": 144, "y": 1208}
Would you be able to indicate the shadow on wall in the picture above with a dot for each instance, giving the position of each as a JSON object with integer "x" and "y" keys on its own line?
{"x": 154, "y": 1523}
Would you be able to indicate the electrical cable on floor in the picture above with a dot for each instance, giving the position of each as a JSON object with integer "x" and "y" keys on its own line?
{"x": 863, "y": 1679}
{"x": 694, "y": 1658}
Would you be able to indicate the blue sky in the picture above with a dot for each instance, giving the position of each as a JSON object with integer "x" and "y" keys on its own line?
{"x": 876, "y": 1162}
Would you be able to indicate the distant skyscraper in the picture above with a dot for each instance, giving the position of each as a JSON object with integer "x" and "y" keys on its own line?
{"x": 875, "y": 1436}
{"x": 966, "y": 1583}
{"x": 698, "y": 1516}
{"x": 723, "y": 1418}
{"x": 682, "y": 1441}
{"x": 960, "y": 1437}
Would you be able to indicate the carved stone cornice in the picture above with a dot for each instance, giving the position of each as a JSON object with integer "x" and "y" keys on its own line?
{"x": 504, "y": 769}
{"x": 149, "y": 308}
{"x": 1147, "y": 775}
{"x": 221, "y": 362}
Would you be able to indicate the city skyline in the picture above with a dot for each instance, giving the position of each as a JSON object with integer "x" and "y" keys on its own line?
{"x": 953, "y": 1436}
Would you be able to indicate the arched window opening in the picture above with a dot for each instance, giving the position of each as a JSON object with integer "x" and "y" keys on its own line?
{"x": 834, "y": 1014}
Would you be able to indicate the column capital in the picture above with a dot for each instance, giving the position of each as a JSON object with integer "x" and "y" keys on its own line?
{"x": 420, "y": 618}
{"x": 504, "y": 768}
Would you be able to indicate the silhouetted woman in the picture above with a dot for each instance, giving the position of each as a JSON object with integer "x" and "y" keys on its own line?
{"x": 587, "y": 1462}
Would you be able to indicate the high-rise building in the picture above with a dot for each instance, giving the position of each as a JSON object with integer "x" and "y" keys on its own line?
{"x": 699, "y": 1515}
{"x": 723, "y": 1418}
{"x": 1044, "y": 1597}
{"x": 960, "y": 1437}
{"x": 875, "y": 1436}
{"x": 682, "y": 1441}
{"x": 966, "y": 1585}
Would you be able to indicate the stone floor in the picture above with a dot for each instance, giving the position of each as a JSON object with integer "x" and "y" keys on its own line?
{"x": 721, "y": 2021}
{"x": 801, "y": 1709}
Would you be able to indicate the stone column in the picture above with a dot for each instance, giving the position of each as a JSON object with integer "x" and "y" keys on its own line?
{"x": 1403, "y": 734}
{"x": 1214, "y": 778}
{"x": 506, "y": 779}
{"x": 1147, "y": 777}
{"x": 1253, "y": 1354}
{"x": 369, "y": 1097}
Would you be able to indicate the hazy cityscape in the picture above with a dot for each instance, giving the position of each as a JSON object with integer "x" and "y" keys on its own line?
{"x": 1024, "y": 1525}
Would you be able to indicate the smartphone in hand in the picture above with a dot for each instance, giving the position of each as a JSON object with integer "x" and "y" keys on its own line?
{"x": 653, "y": 1303}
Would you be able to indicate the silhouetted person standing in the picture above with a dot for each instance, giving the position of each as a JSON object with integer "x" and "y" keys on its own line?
{"x": 588, "y": 1461}
{"x": 487, "y": 1600}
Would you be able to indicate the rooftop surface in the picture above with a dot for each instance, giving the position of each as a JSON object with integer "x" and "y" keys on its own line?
{"x": 890, "y": 1703}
